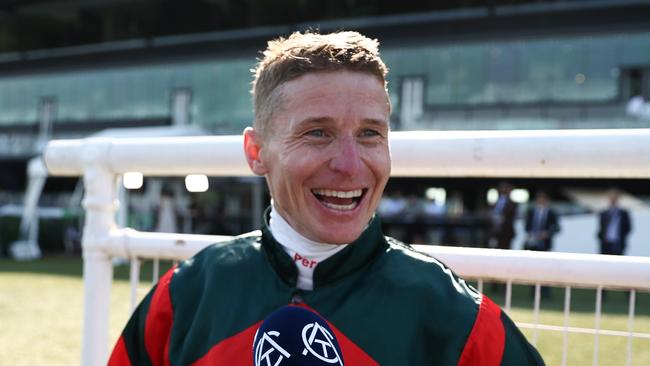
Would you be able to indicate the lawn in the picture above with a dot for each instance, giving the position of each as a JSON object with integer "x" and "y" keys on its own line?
{"x": 612, "y": 350}
{"x": 41, "y": 310}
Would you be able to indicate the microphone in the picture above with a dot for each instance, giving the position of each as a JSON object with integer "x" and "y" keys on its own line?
{"x": 294, "y": 335}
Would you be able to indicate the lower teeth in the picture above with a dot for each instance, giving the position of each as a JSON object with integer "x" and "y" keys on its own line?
{"x": 340, "y": 207}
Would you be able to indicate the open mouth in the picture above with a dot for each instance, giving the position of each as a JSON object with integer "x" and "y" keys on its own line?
{"x": 340, "y": 200}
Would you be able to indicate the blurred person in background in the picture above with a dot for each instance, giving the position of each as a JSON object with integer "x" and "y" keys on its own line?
{"x": 542, "y": 224}
{"x": 502, "y": 228}
{"x": 614, "y": 226}
{"x": 391, "y": 205}
{"x": 166, "y": 219}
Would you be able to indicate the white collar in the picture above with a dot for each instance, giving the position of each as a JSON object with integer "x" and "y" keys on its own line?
{"x": 305, "y": 253}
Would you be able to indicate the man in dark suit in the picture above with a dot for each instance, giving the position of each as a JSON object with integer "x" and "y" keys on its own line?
{"x": 615, "y": 225}
{"x": 541, "y": 224}
{"x": 503, "y": 214}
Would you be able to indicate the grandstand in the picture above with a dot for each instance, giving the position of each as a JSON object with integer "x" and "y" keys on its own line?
{"x": 455, "y": 65}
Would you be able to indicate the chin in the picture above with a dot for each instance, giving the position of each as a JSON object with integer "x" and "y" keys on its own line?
{"x": 338, "y": 236}
{"x": 340, "y": 241}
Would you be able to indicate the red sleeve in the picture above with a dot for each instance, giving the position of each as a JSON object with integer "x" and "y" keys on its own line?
{"x": 158, "y": 323}
{"x": 145, "y": 339}
{"x": 486, "y": 341}
{"x": 120, "y": 356}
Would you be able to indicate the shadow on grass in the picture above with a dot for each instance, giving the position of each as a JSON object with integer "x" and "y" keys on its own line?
{"x": 582, "y": 300}
{"x": 73, "y": 267}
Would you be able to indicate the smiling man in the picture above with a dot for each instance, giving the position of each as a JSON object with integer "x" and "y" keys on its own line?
{"x": 325, "y": 152}
{"x": 320, "y": 138}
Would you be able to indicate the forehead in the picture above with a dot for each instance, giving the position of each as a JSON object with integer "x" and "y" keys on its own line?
{"x": 332, "y": 95}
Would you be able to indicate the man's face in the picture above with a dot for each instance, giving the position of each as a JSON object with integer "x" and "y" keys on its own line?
{"x": 325, "y": 153}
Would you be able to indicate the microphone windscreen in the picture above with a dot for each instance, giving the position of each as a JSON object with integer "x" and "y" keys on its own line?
{"x": 294, "y": 335}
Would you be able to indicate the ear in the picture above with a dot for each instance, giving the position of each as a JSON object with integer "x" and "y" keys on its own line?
{"x": 252, "y": 150}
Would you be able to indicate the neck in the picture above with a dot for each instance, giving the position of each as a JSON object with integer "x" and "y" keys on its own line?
{"x": 305, "y": 253}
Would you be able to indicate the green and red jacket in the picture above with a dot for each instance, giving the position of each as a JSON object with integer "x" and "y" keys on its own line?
{"x": 387, "y": 304}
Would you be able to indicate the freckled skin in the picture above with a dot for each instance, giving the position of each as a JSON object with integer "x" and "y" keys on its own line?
{"x": 331, "y": 132}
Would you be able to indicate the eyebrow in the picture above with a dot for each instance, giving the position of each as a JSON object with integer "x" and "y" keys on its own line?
{"x": 314, "y": 120}
{"x": 327, "y": 121}
{"x": 376, "y": 122}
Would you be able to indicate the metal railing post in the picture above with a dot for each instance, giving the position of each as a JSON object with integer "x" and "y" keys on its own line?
{"x": 100, "y": 205}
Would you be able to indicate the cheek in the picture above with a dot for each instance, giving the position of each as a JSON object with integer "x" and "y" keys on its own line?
{"x": 379, "y": 162}
{"x": 302, "y": 163}
{"x": 292, "y": 174}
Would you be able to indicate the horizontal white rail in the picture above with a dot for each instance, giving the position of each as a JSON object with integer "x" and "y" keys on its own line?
{"x": 546, "y": 153}
{"x": 152, "y": 156}
{"x": 551, "y": 268}
{"x": 532, "y": 153}
{"x": 590, "y": 331}
{"x": 129, "y": 243}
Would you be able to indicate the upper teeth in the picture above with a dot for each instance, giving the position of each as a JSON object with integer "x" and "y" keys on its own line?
{"x": 339, "y": 194}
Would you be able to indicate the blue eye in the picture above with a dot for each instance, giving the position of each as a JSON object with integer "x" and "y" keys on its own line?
{"x": 369, "y": 133}
{"x": 316, "y": 133}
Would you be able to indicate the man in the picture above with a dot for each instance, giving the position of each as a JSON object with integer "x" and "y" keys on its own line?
{"x": 541, "y": 224}
{"x": 615, "y": 225}
{"x": 503, "y": 214}
{"x": 320, "y": 137}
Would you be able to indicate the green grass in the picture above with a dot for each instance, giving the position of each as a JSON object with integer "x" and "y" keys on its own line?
{"x": 612, "y": 350}
{"x": 41, "y": 312}
{"x": 41, "y": 306}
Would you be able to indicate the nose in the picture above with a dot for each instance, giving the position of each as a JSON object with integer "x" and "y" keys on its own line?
{"x": 347, "y": 158}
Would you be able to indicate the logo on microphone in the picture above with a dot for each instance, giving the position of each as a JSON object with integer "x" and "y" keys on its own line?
{"x": 313, "y": 336}
{"x": 268, "y": 350}
{"x": 294, "y": 335}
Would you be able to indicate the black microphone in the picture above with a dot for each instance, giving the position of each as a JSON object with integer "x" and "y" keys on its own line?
{"x": 294, "y": 335}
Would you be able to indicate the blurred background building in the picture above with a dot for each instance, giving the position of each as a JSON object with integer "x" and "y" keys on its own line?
{"x": 123, "y": 68}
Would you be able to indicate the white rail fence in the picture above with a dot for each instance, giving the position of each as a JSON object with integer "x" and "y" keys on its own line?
{"x": 566, "y": 154}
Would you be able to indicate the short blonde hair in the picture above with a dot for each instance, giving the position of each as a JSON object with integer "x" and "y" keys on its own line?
{"x": 288, "y": 58}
